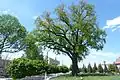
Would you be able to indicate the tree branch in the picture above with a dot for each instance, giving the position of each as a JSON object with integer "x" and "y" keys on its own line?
{"x": 59, "y": 49}
{"x": 3, "y": 43}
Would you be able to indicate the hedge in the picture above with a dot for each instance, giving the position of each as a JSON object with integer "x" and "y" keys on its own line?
{"x": 22, "y": 67}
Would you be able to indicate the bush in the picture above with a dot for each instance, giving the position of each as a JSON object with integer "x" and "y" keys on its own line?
{"x": 22, "y": 67}
{"x": 56, "y": 69}
{"x": 63, "y": 69}
{"x": 16, "y": 68}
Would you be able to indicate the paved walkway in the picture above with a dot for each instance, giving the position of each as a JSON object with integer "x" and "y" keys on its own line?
{"x": 5, "y": 78}
{"x": 50, "y": 76}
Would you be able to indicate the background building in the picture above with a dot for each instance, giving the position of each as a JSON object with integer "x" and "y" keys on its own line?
{"x": 53, "y": 61}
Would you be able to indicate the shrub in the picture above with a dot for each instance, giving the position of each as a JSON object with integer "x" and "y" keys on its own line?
{"x": 56, "y": 69}
{"x": 16, "y": 68}
{"x": 64, "y": 69}
{"x": 21, "y": 67}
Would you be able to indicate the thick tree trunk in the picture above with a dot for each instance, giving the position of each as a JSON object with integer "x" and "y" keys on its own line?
{"x": 74, "y": 67}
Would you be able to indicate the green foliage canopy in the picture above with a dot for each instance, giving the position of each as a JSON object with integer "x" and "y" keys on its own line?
{"x": 12, "y": 34}
{"x": 73, "y": 31}
{"x": 33, "y": 51}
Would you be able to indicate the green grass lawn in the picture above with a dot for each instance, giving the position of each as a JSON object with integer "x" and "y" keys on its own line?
{"x": 89, "y": 78}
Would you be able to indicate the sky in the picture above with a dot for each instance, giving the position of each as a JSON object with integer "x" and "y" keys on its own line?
{"x": 108, "y": 18}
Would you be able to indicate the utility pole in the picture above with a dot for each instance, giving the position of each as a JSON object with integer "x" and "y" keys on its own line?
{"x": 104, "y": 62}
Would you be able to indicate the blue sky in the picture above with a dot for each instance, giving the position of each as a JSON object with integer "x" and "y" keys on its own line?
{"x": 108, "y": 15}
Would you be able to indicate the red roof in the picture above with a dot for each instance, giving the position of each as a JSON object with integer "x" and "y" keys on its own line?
{"x": 117, "y": 63}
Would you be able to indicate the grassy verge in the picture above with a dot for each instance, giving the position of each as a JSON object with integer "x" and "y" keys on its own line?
{"x": 88, "y": 78}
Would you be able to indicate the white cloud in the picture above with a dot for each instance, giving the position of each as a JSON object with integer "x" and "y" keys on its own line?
{"x": 99, "y": 57}
{"x": 114, "y": 21}
{"x": 114, "y": 29}
{"x": 113, "y": 24}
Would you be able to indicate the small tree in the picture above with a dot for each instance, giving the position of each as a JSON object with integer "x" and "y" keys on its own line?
{"x": 105, "y": 69}
{"x": 100, "y": 68}
{"x": 84, "y": 69}
{"x": 89, "y": 69}
{"x": 32, "y": 51}
{"x": 116, "y": 69}
{"x": 111, "y": 68}
{"x": 95, "y": 68}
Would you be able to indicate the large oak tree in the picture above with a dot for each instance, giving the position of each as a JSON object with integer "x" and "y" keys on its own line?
{"x": 72, "y": 31}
